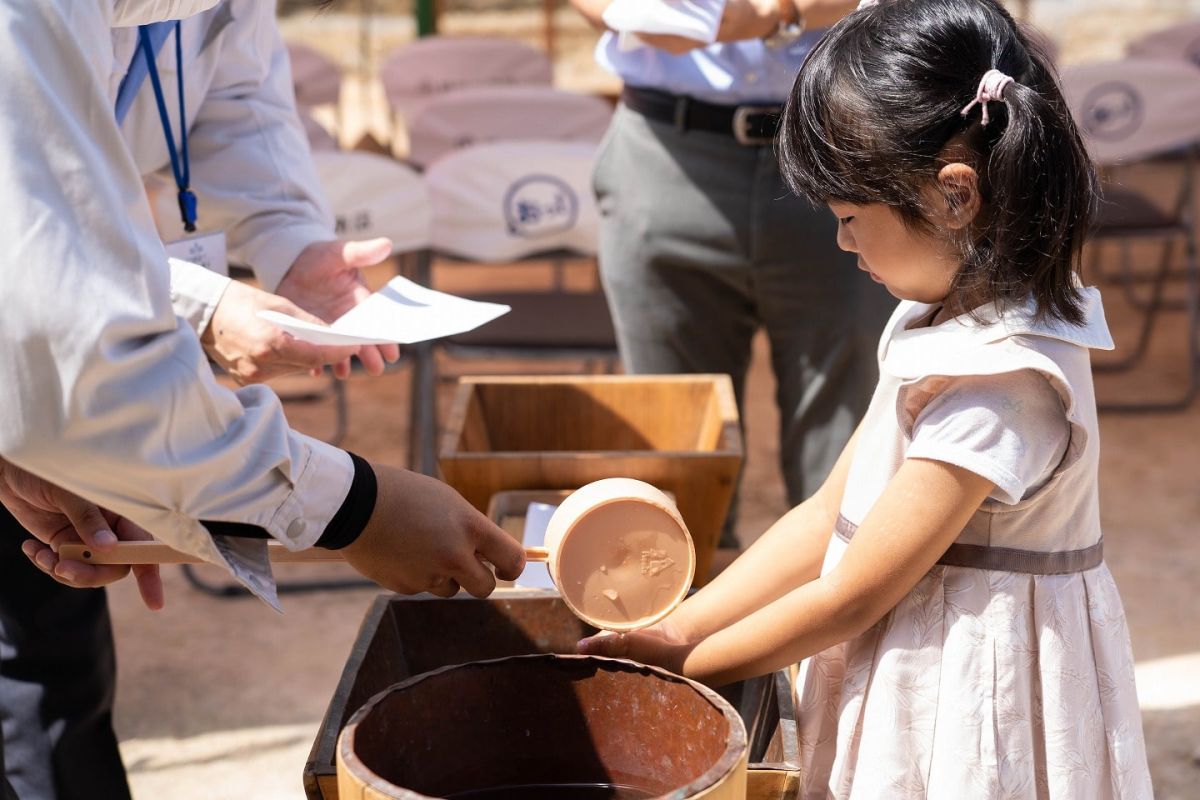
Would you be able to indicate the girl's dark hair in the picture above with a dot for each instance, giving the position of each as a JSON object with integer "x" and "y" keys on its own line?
{"x": 878, "y": 100}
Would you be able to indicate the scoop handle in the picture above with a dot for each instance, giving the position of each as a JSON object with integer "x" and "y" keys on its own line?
{"x": 159, "y": 553}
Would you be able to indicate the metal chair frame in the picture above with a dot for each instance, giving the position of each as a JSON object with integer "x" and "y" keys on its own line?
{"x": 1182, "y": 228}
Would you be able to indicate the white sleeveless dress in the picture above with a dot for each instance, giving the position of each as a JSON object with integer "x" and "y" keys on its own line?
{"x": 1007, "y": 671}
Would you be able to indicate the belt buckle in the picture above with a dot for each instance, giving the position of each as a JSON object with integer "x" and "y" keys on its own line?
{"x": 741, "y": 124}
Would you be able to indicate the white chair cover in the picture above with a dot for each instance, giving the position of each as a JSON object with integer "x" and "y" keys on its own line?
{"x": 318, "y": 137}
{"x": 504, "y": 113}
{"x": 316, "y": 79}
{"x": 374, "y": 195}
{"x": 1177, "y": 43}
{"x": 1134, "y": 108}
{"x": 507, "y": 200}
{"x": 425, "y": 68}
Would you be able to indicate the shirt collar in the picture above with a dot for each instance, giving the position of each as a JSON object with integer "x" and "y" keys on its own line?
{"x": 1019, "y": 319}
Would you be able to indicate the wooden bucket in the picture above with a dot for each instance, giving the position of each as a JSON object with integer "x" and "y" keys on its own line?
{"x": 544, "y": 726}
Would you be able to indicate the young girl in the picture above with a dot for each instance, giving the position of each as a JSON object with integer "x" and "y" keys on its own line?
{"x": 963, "y": 636}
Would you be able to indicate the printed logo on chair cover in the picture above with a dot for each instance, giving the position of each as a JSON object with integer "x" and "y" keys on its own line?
{"x": 540, "y": 205}
{"x": 1112, "y": 111}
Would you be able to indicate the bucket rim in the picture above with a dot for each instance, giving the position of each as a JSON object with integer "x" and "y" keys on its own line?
{"x": 736, "y": 748}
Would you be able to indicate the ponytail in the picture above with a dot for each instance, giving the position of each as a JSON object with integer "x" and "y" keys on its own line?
{"x": 1040, "y": 192}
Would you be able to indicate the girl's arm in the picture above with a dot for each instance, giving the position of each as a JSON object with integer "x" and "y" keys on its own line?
{"x": 920, "y": 513}
{"x": 789, "y": 554}
{"x": 918, "y": 516}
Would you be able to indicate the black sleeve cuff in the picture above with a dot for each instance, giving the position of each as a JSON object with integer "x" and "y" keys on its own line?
{"x": 343, "y": 529}
{"x": 350, "y": 520}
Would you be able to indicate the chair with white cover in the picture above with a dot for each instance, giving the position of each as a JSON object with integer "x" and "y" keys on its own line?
{"x": 373, "y": 196}
{"x": 1132, "y": 111}
{"x": 318, "y": 137}
{"x": 503, "y": 202}
{"x": 316, "y": 80}
{"x": 1179, "y": 42}
{"x": 416, "y": 72}
{"x": 504, "y": 113}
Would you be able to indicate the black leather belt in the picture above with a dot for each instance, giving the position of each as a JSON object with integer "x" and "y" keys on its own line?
{"x": 753, "y": 126}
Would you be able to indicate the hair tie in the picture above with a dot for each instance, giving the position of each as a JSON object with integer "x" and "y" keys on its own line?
{"x": 991, "y": 87}
{"x": 867, "y": 4}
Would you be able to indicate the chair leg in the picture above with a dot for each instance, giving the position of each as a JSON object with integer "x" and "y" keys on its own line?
{"x": 1192, "y": 306}
{"x": 342, "y": 412}
{"x": 422, "y": 430}
{"x": 1149, "y": 308}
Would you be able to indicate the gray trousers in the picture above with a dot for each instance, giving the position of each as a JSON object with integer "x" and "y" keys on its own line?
{"x": 702, "y": 244}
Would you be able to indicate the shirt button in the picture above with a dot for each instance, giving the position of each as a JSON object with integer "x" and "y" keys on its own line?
{"x": 751, "y": 77}
{"x": 296, "y": 529}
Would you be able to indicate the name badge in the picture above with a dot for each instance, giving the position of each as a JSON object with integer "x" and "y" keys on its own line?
{"x": 205, "y": 249}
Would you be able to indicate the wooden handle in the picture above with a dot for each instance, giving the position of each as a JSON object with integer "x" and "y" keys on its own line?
{"x": 158, "y": 553}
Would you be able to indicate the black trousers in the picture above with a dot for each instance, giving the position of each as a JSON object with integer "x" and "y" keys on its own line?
{"x": 57, "y": 682}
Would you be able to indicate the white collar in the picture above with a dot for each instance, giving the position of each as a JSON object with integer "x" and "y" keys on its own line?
{"x": 1019, "y": 319}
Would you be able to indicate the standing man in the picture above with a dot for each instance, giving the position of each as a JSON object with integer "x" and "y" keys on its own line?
{"x": 104, "y": 390}
{"x": 702, "y": 243}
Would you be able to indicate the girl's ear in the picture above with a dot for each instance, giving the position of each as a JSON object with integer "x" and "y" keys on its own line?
{"x": 958, "y": 187}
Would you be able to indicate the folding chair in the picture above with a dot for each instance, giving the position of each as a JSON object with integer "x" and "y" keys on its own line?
{"x": 414, "y": 73}
{"x": 509, "y": 201}
{"x": 316, "y": 79}
{"x": 1131, "y": 111}
{"x": 318, "y": 137}
{"x": 504, "y": 113}
{"x": 1180, "y": 42}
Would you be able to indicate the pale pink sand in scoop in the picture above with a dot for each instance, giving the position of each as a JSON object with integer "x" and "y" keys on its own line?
{"x": 622, "y": 557}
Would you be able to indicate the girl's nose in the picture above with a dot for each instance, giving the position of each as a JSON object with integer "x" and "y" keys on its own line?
{"x": 845, "y": 239}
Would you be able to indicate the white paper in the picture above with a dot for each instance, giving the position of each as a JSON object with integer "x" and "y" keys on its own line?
{"x": 402, "y": 312}
{"x": 537, "y": 573}
{"x": 692, "y": 19}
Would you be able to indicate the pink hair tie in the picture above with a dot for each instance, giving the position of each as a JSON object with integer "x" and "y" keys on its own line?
{"x": 991, "y": 87}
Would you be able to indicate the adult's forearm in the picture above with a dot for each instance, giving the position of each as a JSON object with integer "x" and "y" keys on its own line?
{"x": 104, "y": 392}
{"x": 251, "y": 163}
{"x": 592, "y": 10}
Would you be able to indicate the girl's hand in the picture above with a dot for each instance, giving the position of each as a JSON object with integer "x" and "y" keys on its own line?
{"x": 661, "y": 645}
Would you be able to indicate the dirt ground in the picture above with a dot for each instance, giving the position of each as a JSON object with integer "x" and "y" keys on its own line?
{"x": 221, "y": 698}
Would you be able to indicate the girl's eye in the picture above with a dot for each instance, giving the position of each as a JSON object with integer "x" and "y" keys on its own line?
{"x": 845, "y": 220}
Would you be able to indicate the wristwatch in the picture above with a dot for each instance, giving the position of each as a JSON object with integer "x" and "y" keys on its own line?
{"x": 791, "y": 26}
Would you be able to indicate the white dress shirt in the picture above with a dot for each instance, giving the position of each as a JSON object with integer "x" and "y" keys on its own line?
{"x": 102, "y": 389}
{"x": 250, "y": 164}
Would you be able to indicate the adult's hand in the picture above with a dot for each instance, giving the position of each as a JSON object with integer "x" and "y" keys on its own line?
{"x": 424, "y": 537}
{"x": 55, "y": 517}
{"x": 253, "y": 350}
{"x": 325, "y": 280}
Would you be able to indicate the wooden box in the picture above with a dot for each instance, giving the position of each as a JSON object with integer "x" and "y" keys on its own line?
{"x": 404, "y": 636}
{"x": 677, "y": 432}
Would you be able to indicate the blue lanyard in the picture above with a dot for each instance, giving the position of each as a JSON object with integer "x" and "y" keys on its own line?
{"x": 179, "y": 157}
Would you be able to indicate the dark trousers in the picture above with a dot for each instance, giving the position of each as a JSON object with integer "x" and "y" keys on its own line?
{"x": 57, "y": 682}
{"x": 701, "y": 245}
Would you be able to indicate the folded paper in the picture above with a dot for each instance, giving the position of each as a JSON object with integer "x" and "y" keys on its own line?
{"x": 402, "y": 312}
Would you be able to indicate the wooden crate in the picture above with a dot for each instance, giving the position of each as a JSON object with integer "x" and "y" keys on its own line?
{"x": 677, "y": 432}
{"x": 404, "y": 636}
